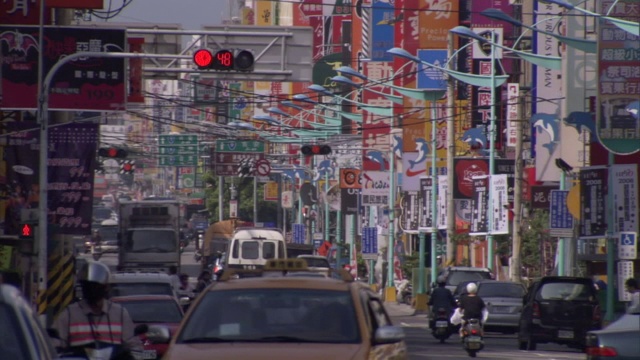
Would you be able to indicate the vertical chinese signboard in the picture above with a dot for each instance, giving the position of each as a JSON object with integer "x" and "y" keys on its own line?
{"x": 618, "y": 113}
{"x": 593, "y": 192}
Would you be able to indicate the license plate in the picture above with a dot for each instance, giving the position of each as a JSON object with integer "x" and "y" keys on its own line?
{"x": 149, "y": 355}
{"x": 501, "y": 309}
{"x": 565, "y": 334}
{"x": 442, "y": 324}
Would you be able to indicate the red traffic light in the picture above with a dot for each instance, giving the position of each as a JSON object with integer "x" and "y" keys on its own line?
{"x": 127, "y": 167}
{"x": 112, "y": 152}
{"x": 26, "y": 231}
{"x": 224, "y": 59}
{"x": 202, "y": 58}
{"x": 310, "y": 150}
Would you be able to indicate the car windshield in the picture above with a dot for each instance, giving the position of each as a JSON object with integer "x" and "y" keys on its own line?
{"x": 109, "y": 233}
{"x": 153, "y": 311}
{"x": 272, "y": 315}
{"x": 565, "y": 291}
{"x": 456, "y": 277}
{"x": 316, "y": 262}
{"x": 505, "y": 290}
{"x": 141, "y": 288}
{"x": 159, "y": 241}
{"x": 102, "y": 213}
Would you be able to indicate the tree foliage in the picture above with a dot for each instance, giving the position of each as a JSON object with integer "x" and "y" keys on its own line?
{"x": 267, "y": 210}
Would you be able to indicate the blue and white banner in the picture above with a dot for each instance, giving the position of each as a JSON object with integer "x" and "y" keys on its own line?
{"x": 560, "y": 220}
{"x": 369, "y": 243}
{"x": 429, "y": 77}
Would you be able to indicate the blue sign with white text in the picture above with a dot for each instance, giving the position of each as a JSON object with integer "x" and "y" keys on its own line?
{"x": 428, "y": 77}
{"x": 383, "y": 18}
{"x": 560, "y": 219}
{"x": 369, "y": 242}
{"x": 299, "y": 233}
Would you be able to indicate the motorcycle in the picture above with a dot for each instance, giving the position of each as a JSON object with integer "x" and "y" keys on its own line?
{"x": 404, "y": 292}
{"x": 472, "y": 340}
{"x": 441, "y": 327}
{"x": 100, "y": 350}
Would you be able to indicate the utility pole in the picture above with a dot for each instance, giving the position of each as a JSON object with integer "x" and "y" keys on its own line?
{"x": 516, "y": 240}
{"x": 451, "y": 152}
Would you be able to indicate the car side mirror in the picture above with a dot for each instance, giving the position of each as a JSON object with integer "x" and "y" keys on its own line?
{"x": 158, "y": 334}
{"x": 388, "y": 335}
{"x": 141, "y": 329}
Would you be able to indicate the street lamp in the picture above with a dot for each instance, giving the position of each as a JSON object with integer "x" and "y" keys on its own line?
{"x": 420, "y": 94}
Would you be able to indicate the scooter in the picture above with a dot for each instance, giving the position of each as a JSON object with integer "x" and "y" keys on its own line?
{"x": 472, "y": 340}
{"x": 404, "y": 292}
{"x": 441, "y": 327}
{"x": 100, "y": 350}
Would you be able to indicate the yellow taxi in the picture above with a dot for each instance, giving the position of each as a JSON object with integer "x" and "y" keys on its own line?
{"x": 281, "y": 314}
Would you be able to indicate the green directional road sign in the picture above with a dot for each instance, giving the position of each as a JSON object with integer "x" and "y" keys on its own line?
{"x": 178, "y": 160}
{"x": 240, "y": 146}
{"x": 179, "y": 150}
{"x": 181, "y": 139}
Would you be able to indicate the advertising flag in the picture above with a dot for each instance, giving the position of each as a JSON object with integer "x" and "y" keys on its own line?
{"x": 593, "y": 198}
{"x": 499, "y": 204}
{"x": 625, "y": 197}
{"x": 426, "y": 197}
{"x": 479, "y": 206}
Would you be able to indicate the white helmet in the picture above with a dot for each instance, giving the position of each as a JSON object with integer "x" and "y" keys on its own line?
{"x": 472, "y": 288}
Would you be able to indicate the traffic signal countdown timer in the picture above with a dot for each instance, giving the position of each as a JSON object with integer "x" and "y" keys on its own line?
{"x": 239, "y": 60}
{"x": 311, "y": 150}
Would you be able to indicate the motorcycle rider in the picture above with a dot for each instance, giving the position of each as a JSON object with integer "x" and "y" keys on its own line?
{"x": 471, "y": 306}
{"x": 93, "y": 325}
{"x": 441, "y": 297}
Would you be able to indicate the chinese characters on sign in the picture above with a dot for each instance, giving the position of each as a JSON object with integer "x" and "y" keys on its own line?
{"x": 593, "y": 191}
{"x": 560, "y": 220}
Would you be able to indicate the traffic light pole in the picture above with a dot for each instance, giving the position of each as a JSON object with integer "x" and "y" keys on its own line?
{"x": 43, "y": 120}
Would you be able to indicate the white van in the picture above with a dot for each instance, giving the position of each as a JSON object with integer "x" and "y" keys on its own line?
{"x": 250, "y": 248}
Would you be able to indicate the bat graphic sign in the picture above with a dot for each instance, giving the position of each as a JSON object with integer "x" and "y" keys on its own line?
{"x": 90, "y": 84}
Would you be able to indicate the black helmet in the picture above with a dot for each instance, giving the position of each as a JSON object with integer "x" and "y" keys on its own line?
{"x": 441, "y": 280}
{"x": 94, "y": 271}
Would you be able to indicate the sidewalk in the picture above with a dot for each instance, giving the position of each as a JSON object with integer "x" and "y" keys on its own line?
{"x": 395, "y": 309}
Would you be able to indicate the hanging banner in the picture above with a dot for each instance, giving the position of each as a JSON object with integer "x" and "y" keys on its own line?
{"x": 349, "y": 201}
{"x": 375, "y": 187}
{"x": 560, "y": 219}
{"x": 499, "y": 205}
{"x": 479, "y": 206}
{"x": 426, "y": 196}
{"x": 71, "y": 167}
{"x": 625, "y": 197}
{"x": 593, "y": 198}
{"x": 513, "y": 111}
{"x": 410, "y": 207}
{"x": 443, "y": 194}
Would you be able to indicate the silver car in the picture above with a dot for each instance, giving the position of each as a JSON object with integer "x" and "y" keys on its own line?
{"x": 619, "y": 340}
{"x": 504, "y": 303}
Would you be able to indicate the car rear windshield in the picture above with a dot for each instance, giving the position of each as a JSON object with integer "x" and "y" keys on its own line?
{"x": 272, "y": 315}
{"x": 145, "y": 241}
{"x": 153, "y": 311}
{"x": 570, "y": 291}
{"x": 456, "y": 277}
{"x": 486, "y": 290}
{"x": 314, "y": 262}
{"x": 126, "y": 289}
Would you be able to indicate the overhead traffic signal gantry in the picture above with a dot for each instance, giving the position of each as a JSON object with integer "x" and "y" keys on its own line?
{"x": 225, "y": 59}
{"x": 112, "y": 152}
{"x": 311, "y": 150}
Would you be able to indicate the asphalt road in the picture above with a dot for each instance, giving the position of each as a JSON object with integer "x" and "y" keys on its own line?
{"x": 422, "y": 345}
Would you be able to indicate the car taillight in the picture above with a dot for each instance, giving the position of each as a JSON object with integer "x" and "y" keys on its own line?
{"x": 597, "y": 314}
{"x": 536, "y": 310}
{"x": 602, "y": 351}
